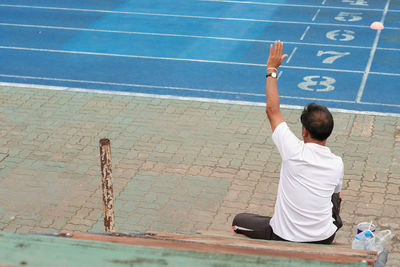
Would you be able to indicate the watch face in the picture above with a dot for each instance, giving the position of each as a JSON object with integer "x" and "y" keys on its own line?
{"x": 273, "y": 74}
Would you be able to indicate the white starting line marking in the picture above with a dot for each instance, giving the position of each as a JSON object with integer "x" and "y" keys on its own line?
{"x": 199, "y": 99}
{"x": 291, "y": 55}
{"x": 304, "y": 33}
{"x": 371, "y": 56}
{"x": 316, "y": 14}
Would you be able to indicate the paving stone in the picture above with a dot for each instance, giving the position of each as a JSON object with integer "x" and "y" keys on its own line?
{"x": 178, "y": 165}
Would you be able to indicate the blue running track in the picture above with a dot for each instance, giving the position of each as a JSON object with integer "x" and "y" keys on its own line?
{"x": 210, "y": 49}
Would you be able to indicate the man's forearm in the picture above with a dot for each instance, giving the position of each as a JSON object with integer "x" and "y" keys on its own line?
{"x": 273, "y": 109}
{"x": 273, "y": 105}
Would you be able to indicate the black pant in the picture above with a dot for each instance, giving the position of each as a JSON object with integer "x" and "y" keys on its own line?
{"x": 258, "y": 227}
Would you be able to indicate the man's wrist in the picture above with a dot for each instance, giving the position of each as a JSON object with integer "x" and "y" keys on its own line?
{"x": 271, "y": 73}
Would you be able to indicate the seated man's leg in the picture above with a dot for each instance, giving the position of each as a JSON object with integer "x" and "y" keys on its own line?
{"x": 252, "y": 225}
{"x": 336, "y": 201}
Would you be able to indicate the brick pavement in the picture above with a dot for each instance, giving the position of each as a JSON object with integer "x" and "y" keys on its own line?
{"x": 179, "y": 166}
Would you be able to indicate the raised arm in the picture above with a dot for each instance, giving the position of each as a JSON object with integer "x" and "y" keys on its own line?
{"x": 275, "y": 59}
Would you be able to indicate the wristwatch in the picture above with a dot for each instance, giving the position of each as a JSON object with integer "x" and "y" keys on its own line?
{"x": 271, "y": 74}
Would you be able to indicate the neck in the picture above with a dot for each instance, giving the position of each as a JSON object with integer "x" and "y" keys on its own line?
{"x": 310, "y": 140}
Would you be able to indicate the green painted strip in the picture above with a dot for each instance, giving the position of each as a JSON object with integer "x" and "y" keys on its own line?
{"x": 39, "y": 250}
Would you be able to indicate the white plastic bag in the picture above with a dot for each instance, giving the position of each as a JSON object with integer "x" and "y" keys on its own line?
{"x": 382, "y": 238}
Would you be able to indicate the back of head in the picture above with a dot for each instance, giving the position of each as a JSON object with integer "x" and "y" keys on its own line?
{"x": 318, "y": 121}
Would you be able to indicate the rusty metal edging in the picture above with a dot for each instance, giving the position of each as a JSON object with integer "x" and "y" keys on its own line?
{"x": 107, "y": 185}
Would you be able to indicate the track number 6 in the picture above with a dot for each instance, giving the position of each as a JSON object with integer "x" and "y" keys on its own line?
{"x": 341, "y": 35}
{"x": 317, "y": 83}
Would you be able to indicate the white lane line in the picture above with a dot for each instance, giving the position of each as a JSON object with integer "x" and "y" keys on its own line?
{"x": 319, "y": 69}
{"x": 107, "y": 92}
{"x": 211, "y": 18}
{"x": 383, "y": 73}
{"x": 316, "y": 14}
{"x": 168, "y": 58}
{"x": 323, "y": 2}
{"x": 242, "y": 19}
{"x": 188, "y": 36}
{"x": 157, "y": 87}
{"x": 135, "y": 33}
{"x": 175, "y": 35}
{"x": 128, "y": 85}
{"x": 280, "y": 74}
{"x": 294, "y": 5}
{"x": 64, "y": 88}
{"x": 177, "y": 59}
{"x": 371, "y": 56}
{"x": 127, "y": 56}
{"x": 184, "y": 59}
{"x": 197, "y": 99}
{"x": 388, "y": 49}
{"x": 379, "y": 104}
{"x": 236, "y": 2}
{"x": 304, "y": 33}
{"x": 193, "y": 36}
{"x": 291, "y": 55}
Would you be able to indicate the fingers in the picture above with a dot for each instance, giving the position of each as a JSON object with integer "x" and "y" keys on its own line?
{"x": 277, "y": 49}
{"x": 275, "y": 54}
{"x": 271, "y": 50}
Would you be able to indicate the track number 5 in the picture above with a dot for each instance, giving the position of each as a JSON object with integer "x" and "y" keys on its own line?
{"x": 356, "y": 2}
{"x": 349, "y": 16}
{"x": 317, "y": 83}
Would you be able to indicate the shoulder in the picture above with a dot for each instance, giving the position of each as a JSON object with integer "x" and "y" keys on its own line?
{"x": 338, "y": 159}
{"x": 338, "y": 162}
{"x": 280, "y": 128}
{"x": 286, "y": 141}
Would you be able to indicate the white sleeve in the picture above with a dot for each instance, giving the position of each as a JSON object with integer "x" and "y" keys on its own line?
{"x": 338, "y": 188}
{"x": 285, "y": 140}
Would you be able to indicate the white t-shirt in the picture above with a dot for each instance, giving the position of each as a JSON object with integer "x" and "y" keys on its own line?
{"x": 310, "y": 174}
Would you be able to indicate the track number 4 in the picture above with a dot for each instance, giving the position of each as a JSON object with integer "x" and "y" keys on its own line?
{"x": 334, "y": 55}
{"x": 317, "y": 83}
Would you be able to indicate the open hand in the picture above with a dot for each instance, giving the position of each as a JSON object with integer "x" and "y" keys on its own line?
{"x": 275, "y": 55}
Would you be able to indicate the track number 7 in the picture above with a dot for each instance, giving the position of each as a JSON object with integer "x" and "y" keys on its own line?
{"x": 334, "y": 55}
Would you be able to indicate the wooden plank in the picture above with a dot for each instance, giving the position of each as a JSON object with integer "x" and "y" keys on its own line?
{"x": 85, "y": 250}
{"x": 244, "y": 246}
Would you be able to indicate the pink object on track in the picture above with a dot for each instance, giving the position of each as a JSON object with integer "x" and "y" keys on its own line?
{"x": 377, "y": 26}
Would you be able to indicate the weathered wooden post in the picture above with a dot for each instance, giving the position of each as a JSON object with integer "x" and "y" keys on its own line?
{"x": 108, "y": 193}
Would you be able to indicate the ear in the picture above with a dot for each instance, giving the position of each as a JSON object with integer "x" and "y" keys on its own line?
{"x": 304, "y": 132}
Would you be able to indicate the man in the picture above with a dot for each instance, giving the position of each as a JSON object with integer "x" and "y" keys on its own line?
{"x": 308, "y": 199}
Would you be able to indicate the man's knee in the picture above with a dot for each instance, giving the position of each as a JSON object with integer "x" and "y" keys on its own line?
{"x": 239, "y": 218}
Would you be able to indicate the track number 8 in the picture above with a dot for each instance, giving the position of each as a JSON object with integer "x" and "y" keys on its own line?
{"x": 317, "y": 83}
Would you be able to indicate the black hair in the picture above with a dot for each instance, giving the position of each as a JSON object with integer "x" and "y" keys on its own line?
{"x": 317, "y": 120}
